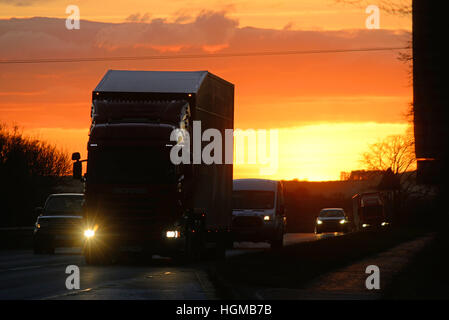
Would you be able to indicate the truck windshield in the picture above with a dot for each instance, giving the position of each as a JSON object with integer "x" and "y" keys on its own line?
{"x": 64, "y": 205}
{"x": 252, "y": 199}
{"x": 129, "y": 165}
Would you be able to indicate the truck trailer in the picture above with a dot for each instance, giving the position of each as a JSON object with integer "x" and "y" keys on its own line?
{"x": 136, "y": 197}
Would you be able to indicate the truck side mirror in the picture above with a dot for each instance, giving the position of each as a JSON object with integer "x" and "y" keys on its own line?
{"x": 76, "y": 156}
{"x": 77, "y": 170}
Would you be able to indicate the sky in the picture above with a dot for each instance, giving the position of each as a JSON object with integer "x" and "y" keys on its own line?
{"x": 326, "y": 107}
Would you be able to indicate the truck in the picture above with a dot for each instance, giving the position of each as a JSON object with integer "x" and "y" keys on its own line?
{"x": 368, "y": 210}
{"x": 136, "y": 196}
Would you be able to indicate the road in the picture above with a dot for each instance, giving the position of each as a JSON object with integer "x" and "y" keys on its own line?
{"x": 24, "y": 275}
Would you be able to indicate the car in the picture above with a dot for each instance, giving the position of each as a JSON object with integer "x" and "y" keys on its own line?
{"x": 59, "y": 223}
{"x": 332, "y": 220}
{"x": 258, "y": 211}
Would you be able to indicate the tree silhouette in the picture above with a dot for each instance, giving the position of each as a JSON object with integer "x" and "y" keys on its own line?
{"x": 397, "y": 7}
{"x": 396, "y": 152}
{"x": 29, "y": 169}
{"x": 395, "y": 157}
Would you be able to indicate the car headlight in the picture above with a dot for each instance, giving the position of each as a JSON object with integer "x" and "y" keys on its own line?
{"x": 319, "y": 222}
{"x": 172, "y": 234}
{"x": 266, "y": 218}
{"x": 342, "y": 221}
{"x": 89, "y": 233}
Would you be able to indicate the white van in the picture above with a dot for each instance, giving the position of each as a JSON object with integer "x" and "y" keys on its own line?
{"x": 258, "y": 211}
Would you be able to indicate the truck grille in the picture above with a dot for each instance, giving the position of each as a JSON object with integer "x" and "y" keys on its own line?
{"x": 246, "y": 222}
{"x": 61, "y": 224}
{"x": 134, "y": 206}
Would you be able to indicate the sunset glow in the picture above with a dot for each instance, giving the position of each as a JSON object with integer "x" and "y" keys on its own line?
{"x": 320, "y": 152}
{"x": 327, "y": 107}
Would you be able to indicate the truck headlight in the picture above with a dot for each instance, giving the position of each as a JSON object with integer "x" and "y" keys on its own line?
{"x": 89, "y": 233}
{"x": 172, "y": 234}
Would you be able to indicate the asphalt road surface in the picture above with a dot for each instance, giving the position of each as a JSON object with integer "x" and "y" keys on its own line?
{"x": 24, "y": 275}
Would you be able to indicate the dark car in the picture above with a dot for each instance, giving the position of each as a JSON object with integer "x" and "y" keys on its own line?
{"x": 59, "y": 222}
{"x": 332, "y": 220}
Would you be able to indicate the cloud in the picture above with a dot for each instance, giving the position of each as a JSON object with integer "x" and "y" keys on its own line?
{"x": 280, "y": 90}
{"x": 21, "y": 3}
{"x": 207, "y": 29}
{"x": 26, "y": 43}
{"x": 136, "y": 17}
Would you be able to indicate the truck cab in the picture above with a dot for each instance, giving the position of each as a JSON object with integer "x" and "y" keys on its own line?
{"x": 258, "y": 211}
{"x": 369, "y": 210}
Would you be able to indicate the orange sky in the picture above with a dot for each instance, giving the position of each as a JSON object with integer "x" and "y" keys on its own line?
{"x": 328, "y": 107}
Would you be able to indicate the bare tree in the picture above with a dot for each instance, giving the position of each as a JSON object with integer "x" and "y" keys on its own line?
{"x": 396, "y": 152}
{"x": 395, "y": 156}
{"x": 36, "y": 157}
{"x": 395, "y": 7}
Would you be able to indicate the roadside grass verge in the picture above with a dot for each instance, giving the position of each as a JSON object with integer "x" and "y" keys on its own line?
{"x": 426, "y": 275}
{"x": 295, "y": 265}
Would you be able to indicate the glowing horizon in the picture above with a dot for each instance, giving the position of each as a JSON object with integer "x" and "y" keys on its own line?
{"x": 342, "y": 142}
